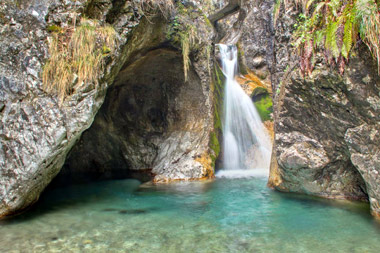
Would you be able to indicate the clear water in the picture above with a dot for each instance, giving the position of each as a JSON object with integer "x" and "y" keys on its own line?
{"x": 224, "y": 215}
{"x": 246, "y": 144}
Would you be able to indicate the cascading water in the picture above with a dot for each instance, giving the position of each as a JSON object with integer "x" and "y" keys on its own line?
{"x": 247, "y": 146}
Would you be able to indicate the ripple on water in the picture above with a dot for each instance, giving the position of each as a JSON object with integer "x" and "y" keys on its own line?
{"x": 225, "y": 215}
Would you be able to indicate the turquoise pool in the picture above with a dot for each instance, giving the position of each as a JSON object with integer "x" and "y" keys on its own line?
{"x": 223, "y": 215}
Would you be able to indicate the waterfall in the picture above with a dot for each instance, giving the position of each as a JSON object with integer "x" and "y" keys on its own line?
{"x": 246, "y": 144}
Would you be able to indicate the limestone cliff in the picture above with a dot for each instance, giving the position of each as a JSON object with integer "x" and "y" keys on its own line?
{"x": 38, "y": 130}
{"x": 325, "y": 124}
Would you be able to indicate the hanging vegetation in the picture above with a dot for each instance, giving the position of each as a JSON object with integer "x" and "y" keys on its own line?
{"x": 183, "y": 32}
{"x": 334, "y": 26}
{"x": 76, "y": 56}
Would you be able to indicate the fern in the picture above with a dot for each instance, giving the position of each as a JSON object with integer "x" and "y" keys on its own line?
{"x": 367, "y": 15}
{"x": 334, "y": 26}
{"x": 347, "y": 38}
{"x": 331, "y": 40}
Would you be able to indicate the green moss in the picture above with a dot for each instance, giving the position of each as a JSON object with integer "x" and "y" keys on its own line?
{"x": 259, "y": 91}
{"x": 215, "y": 143}
{"x": 54, "y": 29}
{"x": 264, "y": 106}
{"x": 218, "y": 96}
{"x": 215, "y": 146}
{"x": 208, "y": 22}
{"x": 106, "y": 50}
{"x": 218, "y": 87}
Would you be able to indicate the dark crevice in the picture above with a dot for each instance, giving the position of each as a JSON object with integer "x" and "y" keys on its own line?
{"x": 139, "y": 111}
{"x": 114, "y": 13}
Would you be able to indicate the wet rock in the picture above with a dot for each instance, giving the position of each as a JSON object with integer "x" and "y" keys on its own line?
{"x": 256, "y": 41}
{"x": 364, "y": 145}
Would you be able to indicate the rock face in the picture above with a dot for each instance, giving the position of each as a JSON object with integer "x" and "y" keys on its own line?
{"x": 37, "y": 132}
{"x": 326, "y": 125}
{"x": 322, "y": 122}
{"x": 256, "y": 40}
{"x": 154, "y": 121}
{"x": 151, "y": 120}
{"x": 364, "y": 142}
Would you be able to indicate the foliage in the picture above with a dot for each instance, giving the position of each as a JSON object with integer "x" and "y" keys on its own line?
{"x": 335, "y": 26}
{"x": 76, "y": 56}
{"x": 183, "y": 32}
{"x": 264, "y": 106}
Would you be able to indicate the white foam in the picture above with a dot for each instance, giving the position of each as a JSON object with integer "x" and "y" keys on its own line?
{"x": 258, "y": 172}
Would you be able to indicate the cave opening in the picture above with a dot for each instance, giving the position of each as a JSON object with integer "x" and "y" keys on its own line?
{"x": 146, "y": 109}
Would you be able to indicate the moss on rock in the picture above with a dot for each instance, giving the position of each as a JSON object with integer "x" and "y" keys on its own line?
{"x": 217, "y": 88}
{"x": 264, "y": 106}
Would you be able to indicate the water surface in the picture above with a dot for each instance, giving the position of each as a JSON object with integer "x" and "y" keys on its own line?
{"x": 224, "y": 215}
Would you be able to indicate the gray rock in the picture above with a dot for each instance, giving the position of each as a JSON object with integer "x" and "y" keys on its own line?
{"x": 311, "y": 151}
{"x": 364, "y": 145}
{"x": 37, "y": 132}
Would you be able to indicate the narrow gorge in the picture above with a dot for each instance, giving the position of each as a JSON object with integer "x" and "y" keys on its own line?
{"x": 189, "y": 126}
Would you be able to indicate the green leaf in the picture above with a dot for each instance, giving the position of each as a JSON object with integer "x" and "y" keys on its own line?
{"x": 347, "y": 38}
{"x": 331, "y": 42}
{"x": 309, "y": 3}
{"x": 319, "y": 35}
{"x": 318, "y": 9}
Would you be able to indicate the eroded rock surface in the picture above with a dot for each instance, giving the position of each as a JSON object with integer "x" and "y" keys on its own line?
{"x": 364, "y": 145}
{"x": 37, "y": 132}
{"x": 324, "y": 124}
{"x": 151, "y": 120}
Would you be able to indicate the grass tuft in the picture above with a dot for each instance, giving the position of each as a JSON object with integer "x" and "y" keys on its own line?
{"x": 76, "y": 56}
{"x": 152, "y": 7}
